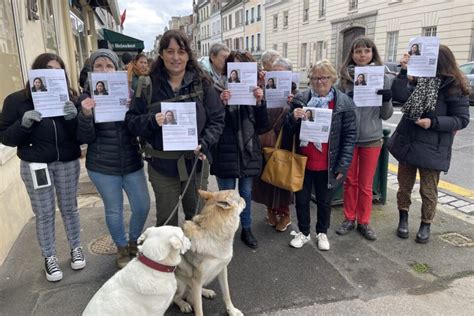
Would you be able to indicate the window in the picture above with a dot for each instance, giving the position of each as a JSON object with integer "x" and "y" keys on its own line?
{"x": 392, "y": 41}
{"x": 258, "y": 41}
{"x": 247, "y": 43}
{"x": 246, "y": 17}
{"x": 285, "y": 50}
{"x": 353, "y": 4}
{"x": 319, "y": 50}
{"x": 275, "y": 47}
{"x": 253, "y": 43}
{"x": 304, "y": 54}
{"x": 237, "y": 18}
{"x": 252, "y": 15}
{"x": 322, "y": 8}
{"x": 259, "y": 15}
{"x": 285, "y": 19}
{"x": 429, "y": 31}
{"x": 275, "y": 22}
{"x": 49, "y": 26}
{"x": 305, "y": 10}
{"x": 224, "y": 23}
{"x": 230, "y": 21}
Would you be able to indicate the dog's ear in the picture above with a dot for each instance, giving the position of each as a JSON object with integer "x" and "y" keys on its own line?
{"x": 205, "y": 194}
{"x": 224, "y": 204}
{"x": 183, "y": 243}
{"x": 144, "y": 235}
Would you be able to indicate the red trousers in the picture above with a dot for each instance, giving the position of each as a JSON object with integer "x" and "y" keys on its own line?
{"x": 358, "y": 184}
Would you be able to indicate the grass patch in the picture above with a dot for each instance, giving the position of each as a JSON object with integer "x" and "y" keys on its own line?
{"x": 420, "y": 267}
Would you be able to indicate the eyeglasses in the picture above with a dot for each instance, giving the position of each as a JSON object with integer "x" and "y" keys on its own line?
{"x": 321, "y": 79}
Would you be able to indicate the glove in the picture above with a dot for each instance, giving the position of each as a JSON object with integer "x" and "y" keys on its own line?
{"x": 70, "y": 110}
{"x": 29, "y": 117}
{"x": 386, "y": 94}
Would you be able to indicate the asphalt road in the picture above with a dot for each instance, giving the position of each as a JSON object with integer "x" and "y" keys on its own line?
{"x": 462, "y": 161}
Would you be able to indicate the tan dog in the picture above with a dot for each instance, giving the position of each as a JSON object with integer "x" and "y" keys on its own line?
{"x": 147, "y": 284}
{"x": 212, "y": 235}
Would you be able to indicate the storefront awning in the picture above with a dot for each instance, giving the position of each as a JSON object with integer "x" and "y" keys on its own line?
{"x": 120, "y": 42}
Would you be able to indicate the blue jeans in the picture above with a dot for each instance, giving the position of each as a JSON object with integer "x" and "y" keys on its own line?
{"x": 245, "y": 191}
{"x": 110, "y": 189}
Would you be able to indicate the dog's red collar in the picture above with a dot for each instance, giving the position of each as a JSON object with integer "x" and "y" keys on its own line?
{"x": 155, "y": 265}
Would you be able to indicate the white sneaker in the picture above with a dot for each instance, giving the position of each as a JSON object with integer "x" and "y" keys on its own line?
{"x": 299, "y": 240}
{"x": 77, "y": 259}
{"x": 323, "y": 242}
{"x": 52, "y": 270}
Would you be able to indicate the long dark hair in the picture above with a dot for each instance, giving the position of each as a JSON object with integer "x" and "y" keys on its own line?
{"x": 448, "y": 67}
{"x": 356, "y": 43}
{"x": 41, "y": 62}
{"x": 158, "y": 67}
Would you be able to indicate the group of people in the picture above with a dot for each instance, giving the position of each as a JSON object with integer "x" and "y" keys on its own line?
{"x": 230, "y": 141}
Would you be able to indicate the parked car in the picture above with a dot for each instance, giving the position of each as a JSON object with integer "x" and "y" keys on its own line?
{"x": 468, "y": 70}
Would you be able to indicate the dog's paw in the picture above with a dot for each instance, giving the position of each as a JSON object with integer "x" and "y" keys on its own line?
{"x": 208, "y": 293}
{"x": 185, "y": 307}
{"x": 234, "y": 312}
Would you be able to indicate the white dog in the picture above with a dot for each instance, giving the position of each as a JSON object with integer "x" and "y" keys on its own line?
{"x": 212, "y": 234}
{"x": 147, "y": 284}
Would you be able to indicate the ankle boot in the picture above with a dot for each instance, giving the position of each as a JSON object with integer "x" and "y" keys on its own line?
{"x": 283, "y": 223}
{"x": 402, "y": 230}
{"x": 423, "y": 233}
{"x": 248, "y": 238}
{"x": 272, "y": 219}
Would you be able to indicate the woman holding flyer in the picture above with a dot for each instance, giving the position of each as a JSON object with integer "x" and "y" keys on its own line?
{"x": 275, "y": 199}
{"x": 176, "y": 77}
{"x": 237, "y": 155}
{"x": 424, "y": 137}
{"x": 358, "y": 185}
{"x": 328, "y": 162}
{"x": 49, "y": 166}
{"x": 114, "y": 164}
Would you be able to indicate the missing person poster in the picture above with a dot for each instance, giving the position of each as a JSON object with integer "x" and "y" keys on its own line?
{"x": 241, "y": 81}
{"x": 110, "y": 92}
{"x": 180, "y": 127}
{"x": 49, "y": 91}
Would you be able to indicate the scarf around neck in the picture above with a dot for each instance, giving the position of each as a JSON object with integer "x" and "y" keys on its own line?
{"x": 423, "y": 99}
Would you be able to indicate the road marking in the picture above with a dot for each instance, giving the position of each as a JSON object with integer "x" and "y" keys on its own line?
{"x": 390, "y": 124}
{"x": 442, "y": 184}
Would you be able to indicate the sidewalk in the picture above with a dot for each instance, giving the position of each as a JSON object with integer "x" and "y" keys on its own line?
{"x": 355, "y": 277}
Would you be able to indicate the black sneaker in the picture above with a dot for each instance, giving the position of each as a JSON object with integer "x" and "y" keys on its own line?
{"x": 345, "y": 227}
{"x": 77, "y": 259}
{"x": 51, "y": 267}
{"x": 366, "y": 231}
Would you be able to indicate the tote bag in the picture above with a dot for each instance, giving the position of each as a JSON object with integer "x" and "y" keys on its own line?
{"x": 284, "y": 169}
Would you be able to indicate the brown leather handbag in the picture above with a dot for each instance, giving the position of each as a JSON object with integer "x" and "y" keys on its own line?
{"x": 284, "y": 169}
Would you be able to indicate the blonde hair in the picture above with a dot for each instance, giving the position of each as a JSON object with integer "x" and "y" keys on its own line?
{"x": 326, "y": 66}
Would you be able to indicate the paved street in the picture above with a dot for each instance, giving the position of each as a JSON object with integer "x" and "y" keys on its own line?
{"x": 355, "y": 277}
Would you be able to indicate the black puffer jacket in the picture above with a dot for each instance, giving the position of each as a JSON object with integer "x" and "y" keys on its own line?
{"x": 111, "y": 147}
{"x": 51, "y": 139}
{"x": 429, "y": 148}
{"x": 209, "y": 111}
{"x": 230, "y": 161}
{"x": 342, "y": 137}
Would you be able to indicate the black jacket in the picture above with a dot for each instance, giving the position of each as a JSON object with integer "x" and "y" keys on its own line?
{"x": 51, "y": 139}
{"x": 342, "y": 137}
{"x": 111, "y": 147}
{"x": 209, "y": 110}
{"x": 429, "y": 148}
{"x": 232, "y": 160}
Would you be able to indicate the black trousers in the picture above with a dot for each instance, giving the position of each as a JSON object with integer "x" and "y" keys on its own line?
{"x": 323, "y": 202}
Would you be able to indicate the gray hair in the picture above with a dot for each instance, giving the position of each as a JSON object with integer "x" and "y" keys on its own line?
{"x": 216, "y": 48}
{"x": 283, "y": 62}
{"x": 268, "y": 56}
